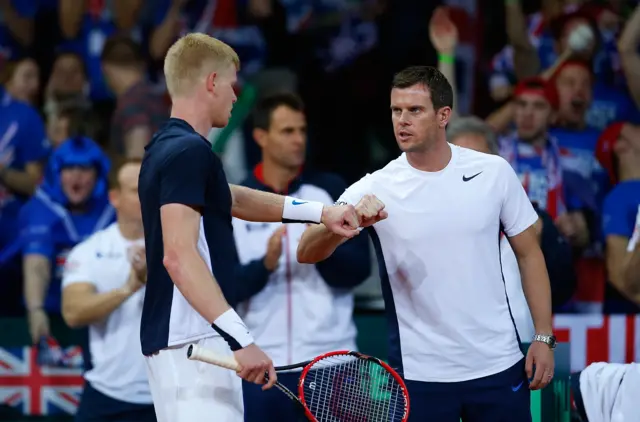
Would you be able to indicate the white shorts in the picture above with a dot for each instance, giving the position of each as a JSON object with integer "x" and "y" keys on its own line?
{"x": 189, "y": 391}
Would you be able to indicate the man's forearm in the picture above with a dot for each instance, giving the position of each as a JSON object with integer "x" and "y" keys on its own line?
{"x": 537, "y": 290}
{"x": 192, "y": 277}
{"x": 317, "y": 244}
{"x": 254, "y": 205}
{"x": 37, "y": 274}
{"x": 91, "y": 308}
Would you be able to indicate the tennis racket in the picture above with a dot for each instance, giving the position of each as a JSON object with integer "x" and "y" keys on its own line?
{"x": 339, "y": 386}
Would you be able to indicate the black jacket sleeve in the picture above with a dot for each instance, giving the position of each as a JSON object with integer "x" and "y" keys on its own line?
{"x": 350, "y": 264}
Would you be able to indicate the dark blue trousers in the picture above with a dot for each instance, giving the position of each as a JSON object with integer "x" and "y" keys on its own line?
{"x": 272, "y": 405}
{"x": 96, "y": 407}
{"x": 503, "y": 397}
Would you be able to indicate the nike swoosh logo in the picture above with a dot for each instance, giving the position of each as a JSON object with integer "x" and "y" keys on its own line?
{"x": 466, "y": 179}
{"x": 517, "y": 387}
{"x": 298, "y": 202}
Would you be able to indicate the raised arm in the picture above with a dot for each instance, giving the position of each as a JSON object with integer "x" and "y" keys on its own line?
{"x": 318, "y": 243}
{"x": 253, "y": 205}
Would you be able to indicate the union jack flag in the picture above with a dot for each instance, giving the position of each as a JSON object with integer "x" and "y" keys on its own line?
{"x": 36, "y": 390}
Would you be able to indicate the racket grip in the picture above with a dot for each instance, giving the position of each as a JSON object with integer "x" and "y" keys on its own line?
{"x": 195, "y": 352}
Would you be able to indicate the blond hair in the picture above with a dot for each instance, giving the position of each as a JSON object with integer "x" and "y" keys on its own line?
{"x": 192, "y": 57}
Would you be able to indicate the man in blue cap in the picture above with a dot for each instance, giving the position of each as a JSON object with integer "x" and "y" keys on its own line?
{"x": 70, "y": 205}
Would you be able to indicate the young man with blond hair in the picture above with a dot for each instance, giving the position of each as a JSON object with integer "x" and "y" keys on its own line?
{"x": 187, "y": 206}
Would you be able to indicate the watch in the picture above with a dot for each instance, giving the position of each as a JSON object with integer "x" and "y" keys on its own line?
{"x": 549, "y": 340}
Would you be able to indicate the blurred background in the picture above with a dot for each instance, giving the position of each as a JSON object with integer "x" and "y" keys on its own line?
{"x": 90, "y": 72}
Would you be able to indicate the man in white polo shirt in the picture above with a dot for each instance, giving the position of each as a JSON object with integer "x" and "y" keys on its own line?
{"x": 452, "y": 335}
{"x": 103, "y": 289}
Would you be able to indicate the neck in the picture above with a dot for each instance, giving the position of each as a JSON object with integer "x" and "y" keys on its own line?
{"x": 130, "y": 229}
{"x": 277, "y": 177}
{"x": 434, "y": 158}
{"x": 629, "y": 170}
{"x": 191, "y": 112}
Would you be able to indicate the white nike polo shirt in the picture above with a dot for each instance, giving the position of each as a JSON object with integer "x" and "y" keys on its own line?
{"x": 440, "y": 263}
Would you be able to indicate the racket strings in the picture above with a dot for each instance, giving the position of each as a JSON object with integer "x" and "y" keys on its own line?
{"x": 343, "y": 388}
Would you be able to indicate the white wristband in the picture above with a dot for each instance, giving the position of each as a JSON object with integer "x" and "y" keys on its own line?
{"x": 299, "y": 211}
{"x": 232, "y": 329}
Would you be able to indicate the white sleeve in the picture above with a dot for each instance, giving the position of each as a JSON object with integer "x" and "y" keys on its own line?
{"x": 355, "y": 192}
{"x": 77, "y": 268}
{"x": 517, "y": 214}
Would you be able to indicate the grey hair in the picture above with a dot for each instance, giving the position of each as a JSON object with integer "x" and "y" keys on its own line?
{"x": 472, "y": 125}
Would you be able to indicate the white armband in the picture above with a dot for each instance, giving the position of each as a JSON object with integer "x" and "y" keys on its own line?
{"x": 233, "y": 330}
{"x": 299, "y": 211}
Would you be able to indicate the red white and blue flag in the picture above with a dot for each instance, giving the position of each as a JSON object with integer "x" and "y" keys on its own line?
{"x": 36, "y": 390}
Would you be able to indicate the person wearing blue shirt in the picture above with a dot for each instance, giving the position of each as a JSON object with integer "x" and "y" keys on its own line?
{"x": 70, "y": 205}
{"x": 23, "y": 149}
{"x": 619, "y": 152}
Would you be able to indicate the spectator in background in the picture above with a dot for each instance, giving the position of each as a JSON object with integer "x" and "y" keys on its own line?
{"x": 86, "y": 26}
{"x": 573, "y": 80}
{"x": 16, "y": 28}
{"x": 71, "y": 205}
{"x": 582, "y": 35}
{"x": 278, "y": 294}
{"x": 530, "y": 45}
{"x": 21, "y": 80}
{"x": 473, "y": 133}
{"x": 68, "y": 81}
{"x": 619, "y": 152}
{"x": 140, "y": 108}
{"x": 103, "y": 288}
{"x": 539, "y": 161}
{"x": 23, "y": 150}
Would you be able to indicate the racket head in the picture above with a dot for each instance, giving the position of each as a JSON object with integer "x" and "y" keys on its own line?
{"x": 350, "y": 386}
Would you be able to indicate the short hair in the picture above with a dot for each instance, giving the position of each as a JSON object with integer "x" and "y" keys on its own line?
{"x": 117, "y": 164}
{"x": 475, "y": 126}
{"x": 122, "y": 51}
{"x": 437, "y": 84}
{"x": 10, "y": 67}
{"x": 264, "y": 109}
{"x": 191, "y": 56}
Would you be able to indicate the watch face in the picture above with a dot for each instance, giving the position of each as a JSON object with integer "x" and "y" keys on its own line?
{"x": 552, "y": 341}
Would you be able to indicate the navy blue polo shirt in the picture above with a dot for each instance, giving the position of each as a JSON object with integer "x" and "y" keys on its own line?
{"x": 179, "y": 167}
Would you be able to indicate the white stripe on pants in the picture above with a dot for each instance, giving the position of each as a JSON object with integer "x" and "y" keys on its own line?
{"x": 190, "y": 391}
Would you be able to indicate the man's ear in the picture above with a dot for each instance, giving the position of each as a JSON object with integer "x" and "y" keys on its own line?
{"x": 444, "y": 114}
{"x": 211, "y": 81}
{"x": 260, "y": 136}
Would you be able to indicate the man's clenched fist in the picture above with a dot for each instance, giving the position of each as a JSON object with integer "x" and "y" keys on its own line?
{"x": 341, "y": 220}
{"x": 370, "y": 210}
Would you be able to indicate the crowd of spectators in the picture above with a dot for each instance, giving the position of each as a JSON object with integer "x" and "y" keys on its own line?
{"x": 82, "y": 86}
